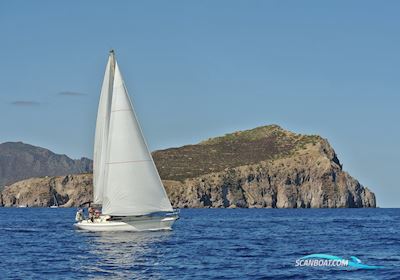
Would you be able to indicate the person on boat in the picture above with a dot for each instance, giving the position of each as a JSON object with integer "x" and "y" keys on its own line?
{"x": 97, "y": 214}
{"x": 91, "y": 213}
{"x": 79, "y": 215}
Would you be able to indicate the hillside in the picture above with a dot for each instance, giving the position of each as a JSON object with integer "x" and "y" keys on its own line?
{"x": 229, "y": 151}
{"x": 20, "y": 161}
{"x": 263, "y": 167}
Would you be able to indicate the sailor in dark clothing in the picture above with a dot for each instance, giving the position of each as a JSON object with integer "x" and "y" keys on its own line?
{"x": 91, "y": 213}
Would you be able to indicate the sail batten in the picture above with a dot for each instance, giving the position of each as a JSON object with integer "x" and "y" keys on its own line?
{"x": 132, "y": 185}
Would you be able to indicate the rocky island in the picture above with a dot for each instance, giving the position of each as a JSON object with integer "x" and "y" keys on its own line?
{"x": 266, "y": 167}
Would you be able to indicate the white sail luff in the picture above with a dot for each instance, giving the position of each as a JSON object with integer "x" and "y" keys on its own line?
{"x": 102, "y": 132}
{"x": 133, "y": 185}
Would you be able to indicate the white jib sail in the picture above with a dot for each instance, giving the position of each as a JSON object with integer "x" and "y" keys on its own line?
{"x": 133, "y": 185}
{"x": 102, "y": 131}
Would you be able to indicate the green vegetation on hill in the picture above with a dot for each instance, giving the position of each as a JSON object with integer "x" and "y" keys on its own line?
{"x": 232, "y": 150}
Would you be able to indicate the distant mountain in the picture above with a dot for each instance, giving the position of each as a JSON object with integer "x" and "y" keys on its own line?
{"x": 265, "y": 167}
{"x": 20, "y": 161}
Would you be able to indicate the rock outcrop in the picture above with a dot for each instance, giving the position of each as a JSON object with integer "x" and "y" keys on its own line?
{"x": 70, "y": 190}
{"x": 266, "y": 167}
{"x": 310, "y": 179}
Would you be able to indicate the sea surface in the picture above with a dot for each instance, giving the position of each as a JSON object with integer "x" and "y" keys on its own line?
{"x": 40, "y": 243}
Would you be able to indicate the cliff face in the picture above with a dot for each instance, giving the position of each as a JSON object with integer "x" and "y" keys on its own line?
{"x": 310, "y": 179}
{"x": 19, "y": 161}
{"x": 263, "y": 167}
{"x": 70, "y": 190}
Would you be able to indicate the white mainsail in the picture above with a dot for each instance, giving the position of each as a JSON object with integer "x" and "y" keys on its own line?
{"x": 132, "y": 185}
{"x": 102, "y": 131}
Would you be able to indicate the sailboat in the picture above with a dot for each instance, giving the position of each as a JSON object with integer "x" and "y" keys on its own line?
{"x": 55, "y": 202}
{"x": 126, "y": 183}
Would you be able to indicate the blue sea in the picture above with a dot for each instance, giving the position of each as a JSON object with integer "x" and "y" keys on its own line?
{"x": 40, "y": 243}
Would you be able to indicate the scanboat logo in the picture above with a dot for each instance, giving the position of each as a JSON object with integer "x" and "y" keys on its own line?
{"x": 319, "y": 260}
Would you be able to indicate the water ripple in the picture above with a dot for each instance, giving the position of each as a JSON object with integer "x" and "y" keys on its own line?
{"x": 206, "y": 243}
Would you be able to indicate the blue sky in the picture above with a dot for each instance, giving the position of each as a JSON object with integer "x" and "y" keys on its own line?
{"x": 198, "y": 69}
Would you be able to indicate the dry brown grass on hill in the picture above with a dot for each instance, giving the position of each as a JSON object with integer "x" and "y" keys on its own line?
{"x": 232, "y": 150}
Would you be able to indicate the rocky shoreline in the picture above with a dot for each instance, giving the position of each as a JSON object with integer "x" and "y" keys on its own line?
{"x": 290, "y": 171}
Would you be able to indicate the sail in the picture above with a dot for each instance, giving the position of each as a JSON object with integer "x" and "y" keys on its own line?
{"x": 133, "y": 185}
{"x": 102, "y": 131}
{"x": 55, "y": 201}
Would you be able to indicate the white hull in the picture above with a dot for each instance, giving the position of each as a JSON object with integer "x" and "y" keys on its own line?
{"x": 145, "y": 223}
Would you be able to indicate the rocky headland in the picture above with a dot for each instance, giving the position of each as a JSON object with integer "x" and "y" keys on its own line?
{"x": 266, "y": 167}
